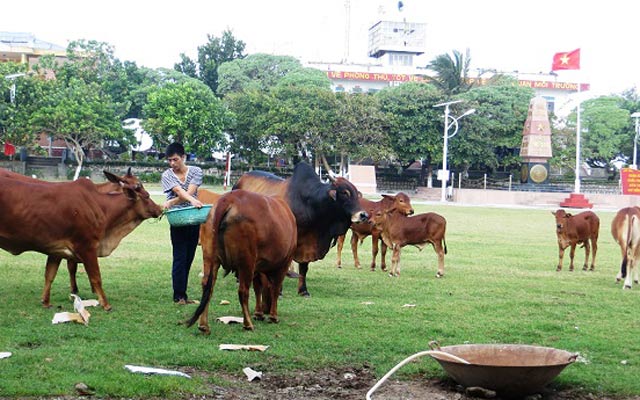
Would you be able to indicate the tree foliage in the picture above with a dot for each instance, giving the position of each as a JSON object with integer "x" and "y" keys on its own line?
{"x": 451, "y": 72}
{"x": 186, "y": 112}
{"x": 211, "y": 55}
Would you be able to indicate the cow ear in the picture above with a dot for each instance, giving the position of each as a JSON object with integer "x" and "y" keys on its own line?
{"x": 359, "y": 194}
{"x": 553, "y": 212}
{"x": 567, "y": 215}
{"x": 130, "y": 193}
{"x": 111, "y": 177}
{"x": 332, "y": 193}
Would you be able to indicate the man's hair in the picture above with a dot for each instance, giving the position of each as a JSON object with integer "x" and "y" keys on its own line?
{"x": 174, "y": 148}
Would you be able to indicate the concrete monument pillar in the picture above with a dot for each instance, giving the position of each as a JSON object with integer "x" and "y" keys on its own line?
{"x": 536, "y": 143}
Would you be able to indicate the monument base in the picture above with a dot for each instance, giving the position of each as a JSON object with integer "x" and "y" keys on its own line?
{"x": 576, "y": 200}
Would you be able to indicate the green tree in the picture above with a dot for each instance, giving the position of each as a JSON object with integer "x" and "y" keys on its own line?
{"x": 605, "y": 129}
{"x": 187, "y": 112}
{"x": 211, "y": 55}
{"x": 491, "y": 137}
{"x": 360, "y": 130}
{"x": 414, "y": 126}
{"x": 78, "y": 112}
{"x": 248, "y": 127}
{"x": 452, "y": 72}
{"x": 258, "y": 72}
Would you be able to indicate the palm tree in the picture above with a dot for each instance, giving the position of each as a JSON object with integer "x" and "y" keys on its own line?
{"x": 452, "y": 73}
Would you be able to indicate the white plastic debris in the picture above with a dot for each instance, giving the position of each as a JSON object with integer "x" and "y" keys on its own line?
{"x": 250, "y": 347}
{"x": 252, "y": 374}
{"x": 154, "y": 371}
{"x": 367, "y": 303}
{"x": 5, "y": 354}
{"x": 224, "y": 302}
{"x": 81, "y": 315}
{"x": 409, "y": 305}
{"x": 230, "y": 320}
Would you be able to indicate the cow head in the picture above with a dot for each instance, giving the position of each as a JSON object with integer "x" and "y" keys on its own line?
{"x": 377, "y": 218}
{"x": 400, "y": 202}
{"x": 345, "y": 195}
{"x": 135, "y": 191}
{"x": 561, "y": 219}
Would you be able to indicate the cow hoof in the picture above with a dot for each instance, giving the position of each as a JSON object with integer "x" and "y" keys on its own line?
{"x": 618, "y": 280}
{"x": 439, "y": 275}
{"x": 339, "y": 266}
{"x": 558, "y": 269}
{"x": 304, "y": 293}
{"x": 585, "y": 268}
{"x": 626, "y": 287}
{"x": 204, "y": 329}
{"x": 248, "y": 327}
{"x": 108, "y": 307}
{"x": 45, "y": 305}
{"x": 274, "y": 320}
{"x": 258, "y": 317}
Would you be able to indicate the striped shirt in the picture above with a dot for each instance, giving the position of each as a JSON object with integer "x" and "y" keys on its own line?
{"x": 170, "y": 181}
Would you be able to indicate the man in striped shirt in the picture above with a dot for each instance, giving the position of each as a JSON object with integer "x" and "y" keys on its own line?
{"x": 180, "y": 184}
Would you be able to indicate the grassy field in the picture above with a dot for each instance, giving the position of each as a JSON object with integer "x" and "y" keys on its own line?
{"x": 500, "y": 286}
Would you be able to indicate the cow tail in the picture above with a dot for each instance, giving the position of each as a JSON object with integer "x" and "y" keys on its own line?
{"x": 220, "y": 211}
{"x": 206, "y": 296}
{"x": 628, "y": 249}
{"x": 445, "y": 245}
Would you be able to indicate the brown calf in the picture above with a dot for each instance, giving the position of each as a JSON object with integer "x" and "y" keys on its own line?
{"x": 400, "y": 202}
{"x": 254, "y": 236}
{"x": 572, "y": 230}
{"x": 625, "y": 229}
{"x": 398, "y": 230}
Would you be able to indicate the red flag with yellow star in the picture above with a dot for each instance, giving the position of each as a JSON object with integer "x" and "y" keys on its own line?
{"x": 566, "y": 60}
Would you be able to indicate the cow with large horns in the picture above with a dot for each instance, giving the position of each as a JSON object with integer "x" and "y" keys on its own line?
{"x": 323, "y": 211}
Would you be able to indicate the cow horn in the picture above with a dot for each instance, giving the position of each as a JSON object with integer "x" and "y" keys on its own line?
{"x": 129, "y": 172}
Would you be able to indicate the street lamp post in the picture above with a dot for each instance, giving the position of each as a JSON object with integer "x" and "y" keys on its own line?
{"x": 444, "y": 176}
{"x": 636, "y": 116}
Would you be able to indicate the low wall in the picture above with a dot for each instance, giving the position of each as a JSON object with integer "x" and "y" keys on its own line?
{"x": 539, "y": 199}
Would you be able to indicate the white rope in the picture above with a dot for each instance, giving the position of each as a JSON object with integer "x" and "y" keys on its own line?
{"x": 409, "y": 359}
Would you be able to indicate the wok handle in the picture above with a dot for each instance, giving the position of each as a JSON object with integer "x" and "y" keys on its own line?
{"x": 434, "y": 345}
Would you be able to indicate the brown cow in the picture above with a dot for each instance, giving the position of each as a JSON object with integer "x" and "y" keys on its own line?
{"x": 323, "y": 211}
{"x": 71, "y": 220}
{"x": 72, "y": 265}
{"x": 399, "y": 230}
{"x": 572, "y": 230}
{"x": 625, "y": 229}
{"x": 254, "y": 236}
{"x": 359, "y": 232}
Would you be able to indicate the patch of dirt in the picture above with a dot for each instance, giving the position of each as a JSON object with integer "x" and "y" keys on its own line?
{"x": 354, "y": 383}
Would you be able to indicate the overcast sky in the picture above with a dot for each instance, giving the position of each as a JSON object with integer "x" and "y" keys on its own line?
{"x": 506, "y": 35}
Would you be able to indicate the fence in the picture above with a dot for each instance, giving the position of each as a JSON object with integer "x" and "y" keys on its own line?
{"x": 488, "y": 183}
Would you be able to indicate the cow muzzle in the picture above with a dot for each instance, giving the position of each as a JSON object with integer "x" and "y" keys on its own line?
{"x": 360, "y": 216}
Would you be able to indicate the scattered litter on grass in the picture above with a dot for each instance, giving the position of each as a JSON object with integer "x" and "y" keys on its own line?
{"x": 230, "y": 320}
{"x": 409, "y": 305}
{"x": 250, "y": 347}
{"x": 81, "y": 315}
{"x": 367, "y": 303}
{"x": 624, "y": 362}
{"x": 5, "y": 354}
{"x": 251, "y": 374}
{"x": 224, "y": 302}
{"x": 83, "y": 389}
{"x": 154, "y": 371}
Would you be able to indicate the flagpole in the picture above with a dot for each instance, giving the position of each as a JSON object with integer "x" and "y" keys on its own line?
{"x": 577, "y": 182}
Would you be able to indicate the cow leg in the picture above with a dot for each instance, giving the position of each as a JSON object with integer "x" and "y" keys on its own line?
{"x": 90, "y": 261}
{"x": 302, "y": 279}
{"x": 630, "y": 270}
{"x": 50, "y": 272}
{"x": 354, "y": 249}
{"x": 587, "y": 249}
{"x": 208, "y": 268}
{"x": 572, "y": 254}
{"x": 245, "y": 275}
{"x": 383, "y": 255}
{"x": 560, "y": 256}
{"x": 276, "y": 287}
{"x": 260, "y": 283}
{"x": 374, "y": 250}
{"x": 395, "y": 261}
{"x": 340, "y": 242}
{"x": 440, "y": 252}
{"x": 72, "y": 266}
{"x": 594, "y": 250}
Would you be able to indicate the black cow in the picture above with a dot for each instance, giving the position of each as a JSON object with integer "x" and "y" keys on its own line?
{"x": 323, "y": 211}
